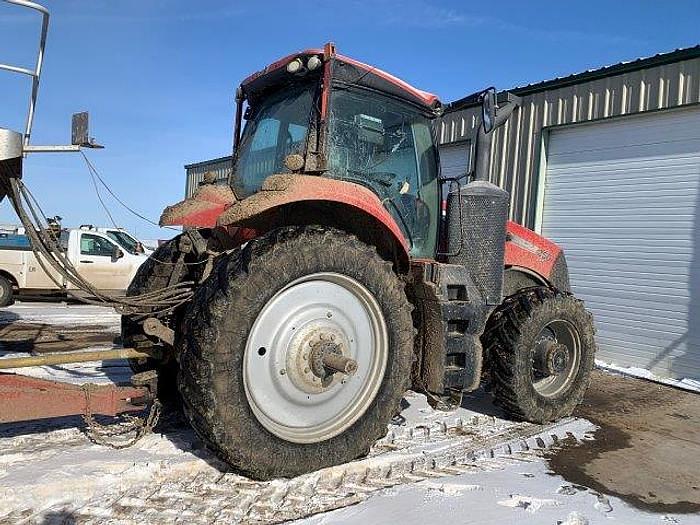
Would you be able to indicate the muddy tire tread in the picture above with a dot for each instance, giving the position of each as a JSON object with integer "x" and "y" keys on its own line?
{"x": 241, "y": 282}
{"x": 509, "y": 332}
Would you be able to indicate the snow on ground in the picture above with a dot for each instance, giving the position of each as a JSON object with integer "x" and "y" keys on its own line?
{"x": 521, "y": 492}
{"x": 60, "y": 313}
{"x": 685, "y": 383}
{"x": 465, "y": 466}
{"x": 170, "y": 475}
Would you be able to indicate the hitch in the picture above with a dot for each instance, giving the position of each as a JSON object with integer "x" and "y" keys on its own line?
{"x": 156, "y": 328}
{"x": 25, "y": 398}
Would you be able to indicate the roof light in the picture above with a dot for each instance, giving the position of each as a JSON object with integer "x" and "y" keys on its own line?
{"x": 313, "y": 63}
{"x": 295, "y": 66}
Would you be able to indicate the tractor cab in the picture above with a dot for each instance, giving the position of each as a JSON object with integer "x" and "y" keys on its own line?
{"x": 321, "y": 113}
{"x": 318, "y": 113}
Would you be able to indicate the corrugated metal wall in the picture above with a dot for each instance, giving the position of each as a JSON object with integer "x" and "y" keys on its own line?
{"x": 221, "y": 167}
{"x": 515, "y": 157}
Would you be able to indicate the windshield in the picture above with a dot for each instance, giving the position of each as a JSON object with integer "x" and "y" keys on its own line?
{"x": 387, "y": 146}
{"x": 276, "y": 128}
{"x": 125, "y": 240}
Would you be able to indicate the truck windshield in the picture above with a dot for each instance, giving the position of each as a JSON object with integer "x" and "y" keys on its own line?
{"x": 277, "y": 127}
{"x": 124, "y": 240}
{"x": 387, "y": 146}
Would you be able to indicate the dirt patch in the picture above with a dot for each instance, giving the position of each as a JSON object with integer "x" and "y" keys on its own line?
{"x": 41, "y": 338}
{"x": 647, "y": 449}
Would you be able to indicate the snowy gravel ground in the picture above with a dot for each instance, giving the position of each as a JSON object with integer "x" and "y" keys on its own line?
{"x": 464, "y": 466}
{"x": 519, "y": 492}
{"x": 72, "y": 316}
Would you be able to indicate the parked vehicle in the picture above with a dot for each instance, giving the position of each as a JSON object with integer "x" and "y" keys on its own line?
{"x": 123, "y": 238}
{"x": 98, "y": 258}
{"x": 324, "y": 283}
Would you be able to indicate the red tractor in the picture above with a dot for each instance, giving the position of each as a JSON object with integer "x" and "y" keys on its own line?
{"x": 327, "y": 281}
{"x": 308, "y": 294}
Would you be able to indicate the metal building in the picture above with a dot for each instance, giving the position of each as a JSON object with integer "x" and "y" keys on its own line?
{"x": 606, "y": 163}
{"x": 220, "y": 167}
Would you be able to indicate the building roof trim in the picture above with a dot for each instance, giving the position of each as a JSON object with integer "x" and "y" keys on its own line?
{"x": 207, "y": 162}
{"x": 678, "y": 55}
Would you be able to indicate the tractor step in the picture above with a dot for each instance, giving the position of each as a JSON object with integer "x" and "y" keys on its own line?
{"x": 453, "y": 315}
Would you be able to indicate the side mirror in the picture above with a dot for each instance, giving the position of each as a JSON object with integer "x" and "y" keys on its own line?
{"x": 117, "y": 254}
{"x": 488, "y": 109}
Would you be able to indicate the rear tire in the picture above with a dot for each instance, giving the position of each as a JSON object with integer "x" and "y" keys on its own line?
{"x": 234, "y": 389}
{"x": 541, "y": 348}
{"x": 6, "y": 292}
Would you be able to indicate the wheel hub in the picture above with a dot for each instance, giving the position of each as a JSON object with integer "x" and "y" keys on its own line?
{"x": 326, "y": 358}
{"x": 557, "y": 358}
{"x": 315, "y": 357}
{"x": 306, "y": 352}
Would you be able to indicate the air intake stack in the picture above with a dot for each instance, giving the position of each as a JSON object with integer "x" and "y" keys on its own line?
{"x": 478, "y": 211}
{"x": 478, "y": 240}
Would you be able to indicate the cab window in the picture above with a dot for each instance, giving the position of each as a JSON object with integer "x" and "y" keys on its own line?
{"x": 387, "y": 146}
{"x": 95, "y": 245}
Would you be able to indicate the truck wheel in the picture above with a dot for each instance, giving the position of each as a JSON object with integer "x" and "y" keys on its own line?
{"x": 541, "y": 345}
{"x": 296, "y": 353}
{"x": 6, "y": 292}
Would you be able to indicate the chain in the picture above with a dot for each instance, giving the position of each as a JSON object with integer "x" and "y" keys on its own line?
{"x": 105, "y": 434}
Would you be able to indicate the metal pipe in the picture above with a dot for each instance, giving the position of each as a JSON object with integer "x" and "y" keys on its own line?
{"x": 39, "y": 62}
{"x": 71, "y": 148}
{"x": 17, "y": 69}
{"x": 484, "y": 140}
{"x": 76, "y": 357}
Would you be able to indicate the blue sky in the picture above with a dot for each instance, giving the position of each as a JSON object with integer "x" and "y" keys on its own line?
{"x": 158, "y": 76}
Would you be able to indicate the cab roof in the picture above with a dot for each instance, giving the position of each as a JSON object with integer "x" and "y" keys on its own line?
{"x": 347, "y": 70}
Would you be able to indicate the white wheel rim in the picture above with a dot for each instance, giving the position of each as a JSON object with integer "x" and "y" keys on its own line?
{"x": 284, "y": 394}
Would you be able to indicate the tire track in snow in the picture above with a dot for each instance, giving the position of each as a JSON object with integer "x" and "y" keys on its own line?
{"x": 196, "y": 491}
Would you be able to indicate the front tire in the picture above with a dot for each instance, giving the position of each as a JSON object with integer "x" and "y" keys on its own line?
{"x": 541, "y": 347}
{"x": 251, "y": 373}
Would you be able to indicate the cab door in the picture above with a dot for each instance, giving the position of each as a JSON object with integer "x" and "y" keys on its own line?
{"x": 102, "y": 262}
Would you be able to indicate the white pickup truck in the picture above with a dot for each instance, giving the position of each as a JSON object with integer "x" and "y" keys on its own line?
{"x": 99, "y": 259}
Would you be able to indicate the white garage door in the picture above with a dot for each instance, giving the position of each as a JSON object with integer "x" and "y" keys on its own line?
{"x": 623, "y": 199}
